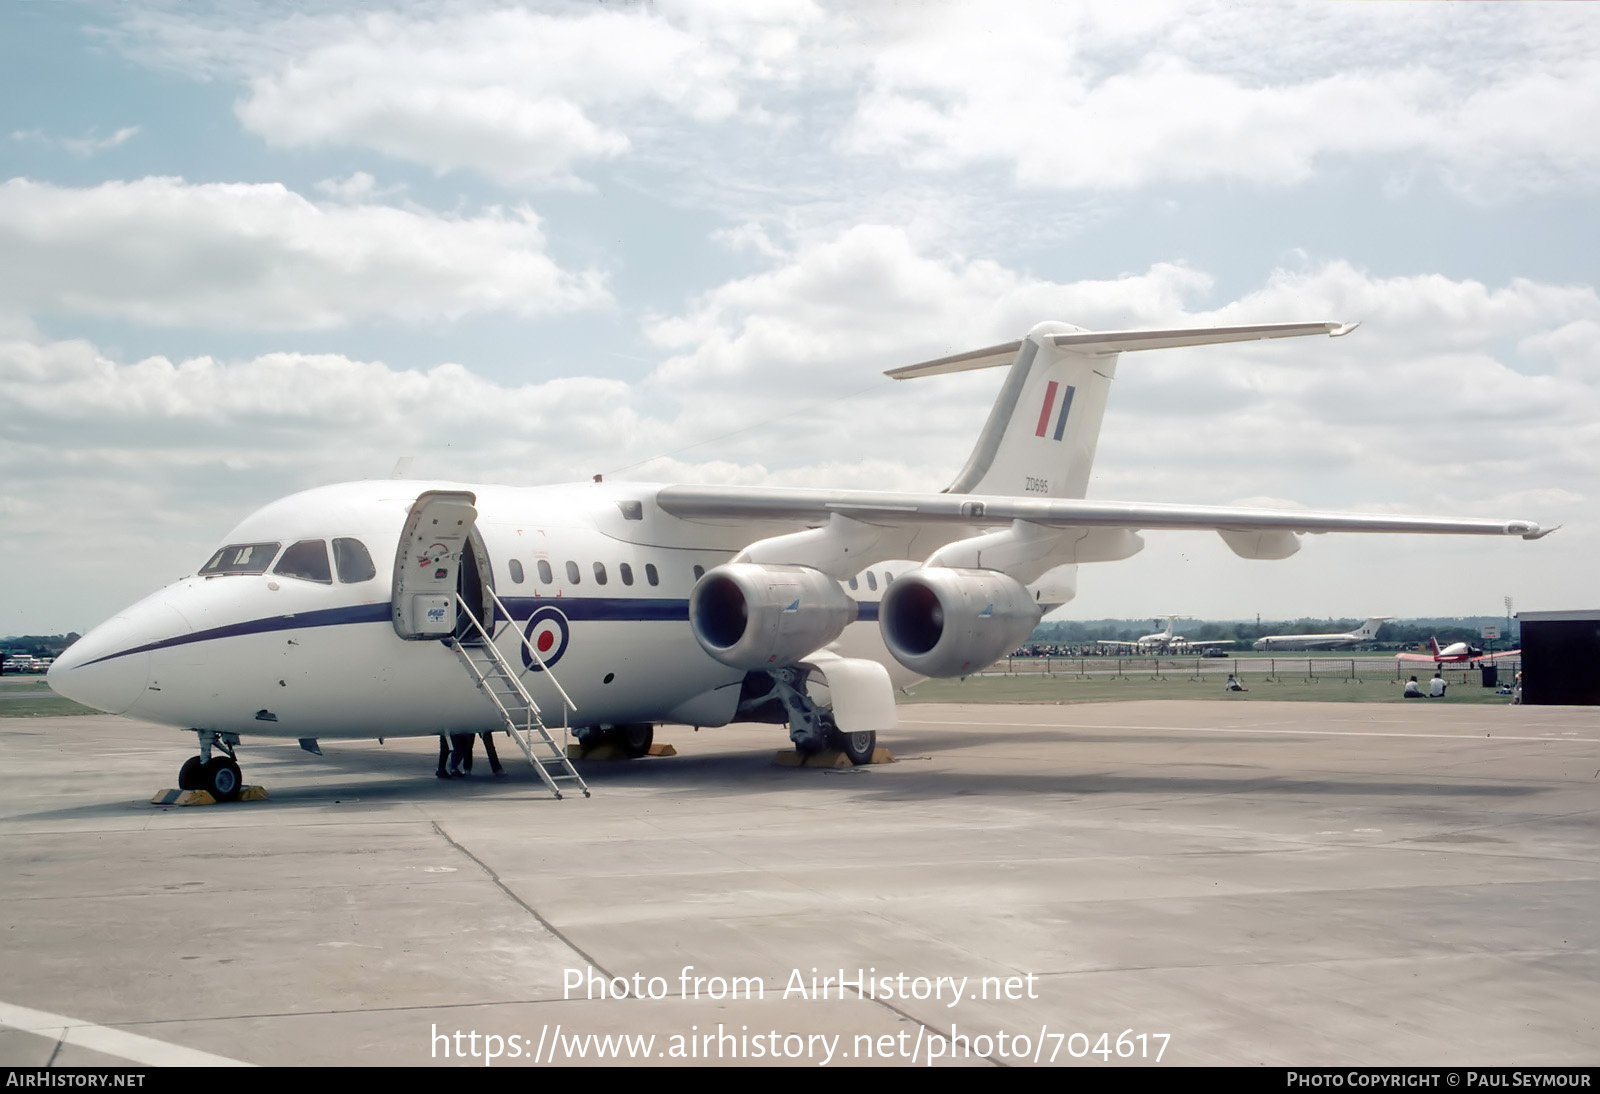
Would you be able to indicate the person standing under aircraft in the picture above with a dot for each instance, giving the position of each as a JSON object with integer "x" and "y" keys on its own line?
{"x": 1436, "y": 686}
{"x": 488, "y": 748}
{"x": 1413, "y": 690}
{"x": 460, "y": 755}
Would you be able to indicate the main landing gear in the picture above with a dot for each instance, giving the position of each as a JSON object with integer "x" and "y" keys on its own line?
{"x": 217, "y": 775}
{"x": 811, "y": 725}
{"x": 857, "y": 747}
{"x": 633, "y": 740}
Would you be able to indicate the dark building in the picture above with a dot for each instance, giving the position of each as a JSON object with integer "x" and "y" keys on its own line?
{"x": 1561, "y": 657}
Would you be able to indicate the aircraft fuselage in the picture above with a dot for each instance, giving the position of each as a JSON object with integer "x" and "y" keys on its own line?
{"x": 594, "y": 574}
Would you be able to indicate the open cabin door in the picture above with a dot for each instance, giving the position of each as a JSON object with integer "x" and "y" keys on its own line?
{"x": 439, "y": 542}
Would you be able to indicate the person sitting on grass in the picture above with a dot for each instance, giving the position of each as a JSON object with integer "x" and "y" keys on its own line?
{"x": 1233, "y": 684}
{"x": 1436, "y": 686}
{"x": 1413, "y": 689}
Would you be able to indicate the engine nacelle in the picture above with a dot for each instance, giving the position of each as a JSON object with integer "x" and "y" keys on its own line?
{"x": 941, "y": 621}
{"x": 754, "y": 616}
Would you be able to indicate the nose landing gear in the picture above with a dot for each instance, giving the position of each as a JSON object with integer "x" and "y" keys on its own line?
{"x": 217, "y": 775}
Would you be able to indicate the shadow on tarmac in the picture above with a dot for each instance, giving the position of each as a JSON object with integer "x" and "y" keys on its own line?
{"x": 368, "y": 776}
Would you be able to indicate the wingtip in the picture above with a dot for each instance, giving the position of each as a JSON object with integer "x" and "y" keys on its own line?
{"x": 1533, "y": 531}
{"x": 1343, "y": 329}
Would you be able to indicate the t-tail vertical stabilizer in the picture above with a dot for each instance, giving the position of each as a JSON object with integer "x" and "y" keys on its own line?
{"x": 1042, "y": 431}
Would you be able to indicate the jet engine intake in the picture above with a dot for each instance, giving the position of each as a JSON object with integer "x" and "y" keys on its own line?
{"x": 754, "y": 616}
{"x": 943, "y": 621}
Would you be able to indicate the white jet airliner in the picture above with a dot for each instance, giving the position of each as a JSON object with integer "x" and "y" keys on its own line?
{"x": 389, "y": 608}
{"x": 1164, "y": 641}
{"x": 1364, "y": 633}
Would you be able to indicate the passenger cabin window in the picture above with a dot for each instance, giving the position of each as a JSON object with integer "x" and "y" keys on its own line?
{"x": 626, "y": 571}
{"x": 872, "y": 581}
{"x": 699, "y": 572}
{"x": 887, "y": 577}
{"x": 307, "y": 561}
{"x": 351, "y": 559}
{"x": 599, "y": 573}
{"x": 650, "y": 574}
{"x": 516, "y": 571}
{"x": 854, "y": 584}
{"x": 240, "y": 558}
{"x": 572, "y": 573}
{"x": 545, "y": 575}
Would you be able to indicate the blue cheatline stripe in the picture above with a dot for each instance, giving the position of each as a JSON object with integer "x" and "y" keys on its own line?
{"x": 1066, "y": 405}
{"x": 609, "y": 609}
{"x": 577, "y": 609}
{"x": 325, "y": 617}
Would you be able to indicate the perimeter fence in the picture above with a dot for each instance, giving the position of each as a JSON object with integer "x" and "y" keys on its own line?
{"x": 1268, "y": 668}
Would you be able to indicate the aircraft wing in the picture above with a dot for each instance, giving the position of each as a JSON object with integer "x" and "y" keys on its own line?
{"x": 718, "y": 504}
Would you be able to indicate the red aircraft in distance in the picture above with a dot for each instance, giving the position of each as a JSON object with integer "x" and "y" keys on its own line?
{"x": 1455, "y": 652}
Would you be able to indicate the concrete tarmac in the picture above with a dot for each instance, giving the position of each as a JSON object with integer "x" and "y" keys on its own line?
{"x": 1219, "y": 883}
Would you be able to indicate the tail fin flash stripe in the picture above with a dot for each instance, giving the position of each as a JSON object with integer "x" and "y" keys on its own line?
{"x": 1066, "y": 405}
{"x": 1044, "y": 411}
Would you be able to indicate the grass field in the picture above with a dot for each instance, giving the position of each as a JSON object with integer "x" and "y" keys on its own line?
{"x": 1102, "y": 689}
{"x": 24, "y": 696}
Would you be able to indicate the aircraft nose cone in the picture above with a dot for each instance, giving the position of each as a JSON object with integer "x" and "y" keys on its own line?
{"x": 109, "y": 668}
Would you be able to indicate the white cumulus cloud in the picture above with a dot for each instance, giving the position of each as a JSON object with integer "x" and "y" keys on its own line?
{"x": 519, "y": 96}
{"x": 232, "y": 256}
{"x": 1080, "y": 97}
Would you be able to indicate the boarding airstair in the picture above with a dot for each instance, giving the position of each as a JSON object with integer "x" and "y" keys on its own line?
{"x": 518, "y": 712}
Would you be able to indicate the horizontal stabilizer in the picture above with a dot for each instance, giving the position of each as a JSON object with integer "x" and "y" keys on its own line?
{"x": 1095, "y": 343}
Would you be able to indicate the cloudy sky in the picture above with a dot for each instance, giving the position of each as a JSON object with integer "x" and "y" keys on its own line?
{"x": 252, "y": 247}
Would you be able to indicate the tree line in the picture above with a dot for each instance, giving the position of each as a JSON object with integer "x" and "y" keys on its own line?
{"x": 1395, "y": 632}
{"x": 38, "y": 645}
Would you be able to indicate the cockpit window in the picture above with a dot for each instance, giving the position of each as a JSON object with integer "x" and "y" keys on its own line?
{"x": 241, "y": 558}
{"x": 351, "y": 559}
{"x": 306, "y": 560}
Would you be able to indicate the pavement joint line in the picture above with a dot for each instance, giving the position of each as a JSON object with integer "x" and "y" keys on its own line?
{"x": 678, "y": 996}
{"x": 108, "y": 1040}
{"x": 192, "y": 1019}
{"x": 1323, "y": 962}
{"x": 524, "y": 905}
{"x": 1282, "y": 732}
{"x": 1419, "y": 845}
{"x": 1517, "y": 822}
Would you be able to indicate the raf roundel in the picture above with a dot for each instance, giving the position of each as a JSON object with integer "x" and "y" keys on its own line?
{"x": 547, "y": 632}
